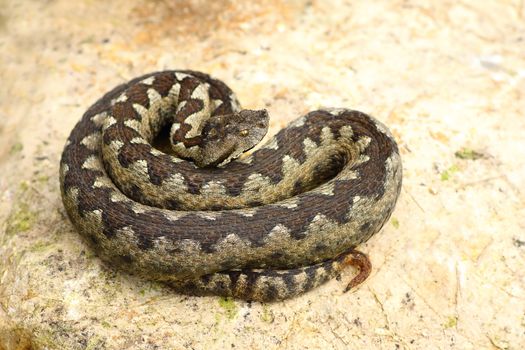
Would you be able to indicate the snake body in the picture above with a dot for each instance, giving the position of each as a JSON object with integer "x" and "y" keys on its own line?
{"x": 267, "y": 226}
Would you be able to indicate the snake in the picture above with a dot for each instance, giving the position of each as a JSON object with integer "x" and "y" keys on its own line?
{"x": 160, "y": 179}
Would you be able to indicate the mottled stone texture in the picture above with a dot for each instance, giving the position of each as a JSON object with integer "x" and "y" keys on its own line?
{"x": 448, "y": 77}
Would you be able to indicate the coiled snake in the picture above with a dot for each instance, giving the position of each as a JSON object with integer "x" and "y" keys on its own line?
{"x": 268, "y": 226}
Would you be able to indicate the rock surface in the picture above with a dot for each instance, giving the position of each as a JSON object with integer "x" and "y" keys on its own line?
{"x": 448, "y": 77}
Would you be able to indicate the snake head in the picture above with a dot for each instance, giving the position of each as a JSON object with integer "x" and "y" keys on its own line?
{"x": 225, "y": 137}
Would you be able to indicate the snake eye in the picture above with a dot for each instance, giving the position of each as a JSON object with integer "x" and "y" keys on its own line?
{"x": 212, "y": 133}
{"x": 244, "y": 133}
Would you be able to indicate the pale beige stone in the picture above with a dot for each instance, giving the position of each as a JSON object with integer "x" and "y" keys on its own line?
{"x": 444, "y": 76}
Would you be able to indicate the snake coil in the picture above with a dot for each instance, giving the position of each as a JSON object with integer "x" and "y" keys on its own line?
{"x": 266, "y": 226}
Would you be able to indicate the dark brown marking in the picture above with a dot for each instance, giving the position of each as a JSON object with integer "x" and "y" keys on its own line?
{"x": 137, "y": 93}
{"x": 163, "y": 83}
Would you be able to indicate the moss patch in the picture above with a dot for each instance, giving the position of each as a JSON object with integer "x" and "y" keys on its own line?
{"x": 229, "y": 307}
{"x": 20, "y": 220}
{"x": 395, "y": 222}
{"x": 42, "y": 179}
{"x": 267, "y": 315}
{"x": 16, "y": 148}
{"x": 41, "y": 246}
{"x": 448, "y": 173}
{"x": 467, "y": 153}
{"x": 96, "y": 342}
{"x": 451, "y": 322}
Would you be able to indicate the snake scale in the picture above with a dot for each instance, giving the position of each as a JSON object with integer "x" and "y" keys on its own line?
{"x": 266, "y": 226}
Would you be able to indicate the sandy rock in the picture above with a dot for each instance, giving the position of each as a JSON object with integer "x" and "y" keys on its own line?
{"x": 448, "y": 78}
